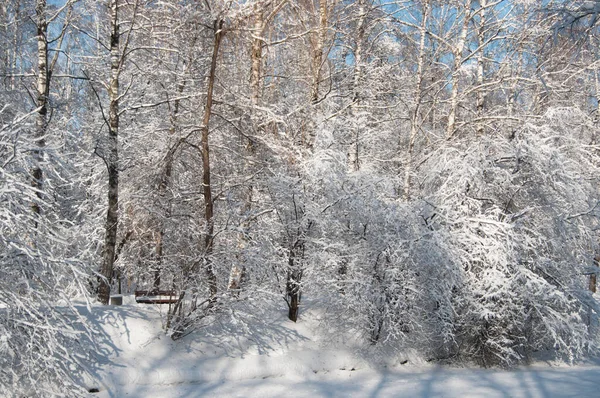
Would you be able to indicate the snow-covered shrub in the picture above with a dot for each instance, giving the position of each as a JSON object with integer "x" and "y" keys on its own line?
{"x": 519, "y": 219}
{"x": 488, "y": 263}
{"x": 42, "y": 336}
{"x": 375, "y": 265}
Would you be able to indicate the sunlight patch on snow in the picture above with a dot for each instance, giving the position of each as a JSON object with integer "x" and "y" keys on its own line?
{"x": 142, "y": 361}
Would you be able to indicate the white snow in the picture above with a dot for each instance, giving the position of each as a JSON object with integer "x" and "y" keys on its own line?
{"x": 285, "y": 359}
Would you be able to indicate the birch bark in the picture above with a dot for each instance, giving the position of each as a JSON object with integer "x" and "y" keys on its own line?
{"x": 414, "y": 119}
{"x": 481, "y": 65}
{"x": 458, "y": 59}
{"x": 357, "y": 79}
{"x": 318, "y": 52}
{"x": 112, "y": 159}
{"x": 41, "y": 123}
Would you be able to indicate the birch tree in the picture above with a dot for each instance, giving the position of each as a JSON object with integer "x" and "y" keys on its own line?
{"x": 457, "y": 52}
{"x": 42, "y": 100}
{"x": 358, "y": 76}
{"x": 110, "y": 154}
{"x": 45, "y": 67}
{"x": 415, "y": 123}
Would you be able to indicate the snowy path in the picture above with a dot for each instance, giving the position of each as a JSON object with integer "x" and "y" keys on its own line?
{"x": 529, "y": 383}
{"x": 284, "y": 359}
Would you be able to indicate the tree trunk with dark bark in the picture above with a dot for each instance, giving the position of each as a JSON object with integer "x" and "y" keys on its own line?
{"x": 41, "y": 124}
{"x": 354, "y": 154}
{"x": 593, "y": 276}
{"x": 112, "y": 160}
{"x": 294, "y": 279}
{"x": 205, "y": 152}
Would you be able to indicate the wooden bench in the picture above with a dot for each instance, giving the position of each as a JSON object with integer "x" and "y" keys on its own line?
{"x": 156, "y": 296}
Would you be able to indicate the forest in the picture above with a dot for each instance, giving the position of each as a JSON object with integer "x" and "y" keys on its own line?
{"x": 427, "y": 171}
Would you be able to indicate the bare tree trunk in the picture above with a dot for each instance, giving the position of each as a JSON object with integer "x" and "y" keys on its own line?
{"x": 163, "y": 186}
{"x": 296, "y": 253}
{"x": 512, "y": 93}
{"x": 42, "y": 86}
{"x": 317, "y": 61}
{"x": 45, "y": 68}
{"x": 458, "y": 59}
{"x": 258, "y": 30}
{"x": 256, "y": 57}
{"x": 4, "y": 23}
{"x": 294, "y": 278}
{"x": 597, "y": 95}
{"x": 593, "y": 277}
{"x": 159, "y": 256}
{"x": 414, "y": 120}
{"x": 112, "y": 159}
{"x": 206, "y": 185}
{"x": 296, "y": 257}
{"x": 358, "y": 77}
{"x": 480, "y": 65}
{"x": 15, "y": 47}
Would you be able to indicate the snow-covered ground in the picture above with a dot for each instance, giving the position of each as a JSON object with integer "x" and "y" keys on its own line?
{"x": 281, "y": 358}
